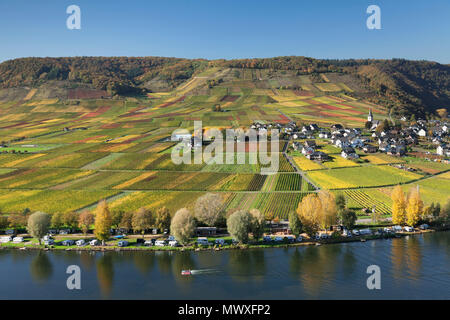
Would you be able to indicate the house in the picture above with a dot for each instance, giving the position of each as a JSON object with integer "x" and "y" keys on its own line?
{"x": 206, "y": 231}
{"x": 357, "y": 143}
{"x": 307, "y": 150}
{"x": 324, "y": 135}
{"x": 375, "y": 124}
{"x": 318, "y": 155}
{"x": 397, "y": 150}
{"x": 349, "y": 153}
{"x": 279, "y": 227}
{"x": 369, "y": 148}
{"x": 181, "y": 136}
{"x": 297, "y": 145}
{"x": 337, "y": 127}
{"x": 342, "y": 143}
{"x": 422, "y": 132}
{"x": 443, "y": 150}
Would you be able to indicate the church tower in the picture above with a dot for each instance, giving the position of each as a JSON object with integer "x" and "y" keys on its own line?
{"x": 370, "y": 117}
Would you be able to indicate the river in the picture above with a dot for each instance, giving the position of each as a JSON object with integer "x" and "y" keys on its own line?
{"x": 413, "y": 267}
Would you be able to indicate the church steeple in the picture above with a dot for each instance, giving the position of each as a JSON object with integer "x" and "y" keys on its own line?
{"x": 370, "y": 117}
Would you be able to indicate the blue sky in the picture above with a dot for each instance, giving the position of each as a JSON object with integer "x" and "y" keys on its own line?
{"x": 414, "y": 29}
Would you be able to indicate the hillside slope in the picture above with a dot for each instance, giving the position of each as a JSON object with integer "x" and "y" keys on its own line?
{"x": 404, "y": 87}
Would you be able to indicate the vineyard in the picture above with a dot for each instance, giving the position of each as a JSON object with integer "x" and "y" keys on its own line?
{"x": 363, "y": 200}
{"x": 63, "y": 155}
{"x": 278, "y": 204}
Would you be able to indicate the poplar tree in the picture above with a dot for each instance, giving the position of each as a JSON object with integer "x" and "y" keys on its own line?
{"x": 398, "y": 205}
{"x": 309, "y": 212}
{"x": 103, "y": 222}
{"x": 294, "y": 223}
{"x": 258, "y": 223}
{"x": 328, "y": 214}
{"x": 414, "y": 209}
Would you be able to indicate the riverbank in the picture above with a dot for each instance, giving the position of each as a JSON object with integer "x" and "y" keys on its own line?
{"x": 133, "y": 246}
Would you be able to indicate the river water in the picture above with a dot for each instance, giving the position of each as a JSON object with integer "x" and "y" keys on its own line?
{"x": 413, "y": 267}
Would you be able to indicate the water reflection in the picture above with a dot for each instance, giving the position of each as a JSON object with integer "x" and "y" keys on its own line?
{"x": 406, "y": 258}
{"x": 41, "y": 268}
{"x": 315, "y": 267}
{"x": 247, "y": 264}
{"x": 143, "y": 261}
{"x": 87, "y": 260}
{"x": 413, "y": 267}
{"x": 164, "y": 259}
{"x": 105, "y": 274}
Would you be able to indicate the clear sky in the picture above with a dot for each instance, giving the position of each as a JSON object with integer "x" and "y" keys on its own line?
{"x": 413, "y": 29}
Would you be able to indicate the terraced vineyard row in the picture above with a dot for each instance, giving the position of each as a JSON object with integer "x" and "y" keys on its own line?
{"x": 290, "y": 182}
{"x": 278, "y": 204}
{"x": 365, "y": 201}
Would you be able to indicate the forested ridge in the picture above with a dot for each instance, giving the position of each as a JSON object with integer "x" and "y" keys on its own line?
{"x": 402, "y": 85}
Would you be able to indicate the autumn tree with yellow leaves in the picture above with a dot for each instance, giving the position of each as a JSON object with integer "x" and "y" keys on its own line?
{"x": 398, "y": 206}
{"x": 309, "y": 211}
{"x": 103, "y": 221}
{"x": 414, "y": 209}
{"x": 328, "y": 214}
{"x": 318, "y": 212}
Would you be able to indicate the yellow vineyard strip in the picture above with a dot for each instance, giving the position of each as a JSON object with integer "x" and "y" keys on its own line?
{"x": 128, "y": 183}
{"x": 18, "y": 161}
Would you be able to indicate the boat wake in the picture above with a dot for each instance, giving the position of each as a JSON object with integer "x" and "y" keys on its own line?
{"x": 204, "y": 271}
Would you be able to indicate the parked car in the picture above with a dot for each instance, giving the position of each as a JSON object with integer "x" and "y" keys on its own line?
{"x": 148, "y": 243}
{"x": 49, "y": 242}
{"x": 173, "y": 243}
{"x": 267, "y": 239}
{"x": 160, "y": 243}
{"x": 18, "y": 239}
{"x": 63, "y": 231}
{"x": 408, "y": 229}
{"x": 219, "y": 242}
{"x": 52, "y": 231}
{"x": 68, "y": 242}
{"x": 424, "y": 226}
{"x": 324, "y": 236}
{"x": 278, "y": 239}
{"x": 365, "y": 232}
{"x": 387, "y": 230}
{"x": 203, "y": 241}
{"x": 6, "y": 239}
{"x": 80, "y": 242}
{"x": 170, "y": 238}
{"x": 10, "y": 231}
{"x": 122, "y": 243}
{"x": 397, "y": 228}
{"x": 94, "y": 242}
{"x": 47, "y": 237}
{"x": 355, "y": 232}
{"x": 290, "y": 239}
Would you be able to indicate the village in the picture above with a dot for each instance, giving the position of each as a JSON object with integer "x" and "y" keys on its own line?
{"x": 427, "y": 139}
